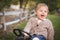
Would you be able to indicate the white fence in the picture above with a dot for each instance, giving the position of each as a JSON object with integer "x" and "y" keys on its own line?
{"x": 15, "y": 21}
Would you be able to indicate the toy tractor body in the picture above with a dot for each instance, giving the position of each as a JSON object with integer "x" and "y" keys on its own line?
{"x": 20, "y": 35}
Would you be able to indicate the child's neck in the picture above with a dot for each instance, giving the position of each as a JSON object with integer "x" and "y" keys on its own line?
{"x": 41, "y": 19}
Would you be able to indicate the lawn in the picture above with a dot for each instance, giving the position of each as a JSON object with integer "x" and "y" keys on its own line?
{"x": 55, "y": 21}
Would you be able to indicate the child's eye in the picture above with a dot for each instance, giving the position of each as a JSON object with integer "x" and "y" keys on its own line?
{"x": 45, "y": 11}
{"x": 40, "y": 10}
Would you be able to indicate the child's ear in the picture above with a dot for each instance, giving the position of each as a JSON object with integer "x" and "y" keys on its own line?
{"x": 35, "y": 12}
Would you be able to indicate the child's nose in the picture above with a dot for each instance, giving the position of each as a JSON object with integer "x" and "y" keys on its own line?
{"x": 43, "y": 12}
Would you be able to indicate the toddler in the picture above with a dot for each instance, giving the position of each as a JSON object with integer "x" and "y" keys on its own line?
{"x": 39, "y": 24}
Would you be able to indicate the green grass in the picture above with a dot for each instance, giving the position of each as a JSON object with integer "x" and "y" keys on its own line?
{"x": 55, "y": 21}
{"x": 22, "y": 25}
{"x": 5, "y": 36}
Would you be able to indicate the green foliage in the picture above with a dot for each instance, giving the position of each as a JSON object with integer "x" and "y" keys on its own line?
{"x": 51, "y": 3}
{"x": 58, "y": 4}
{"x": 4, "y": 3}
{"x": 7, "y": 3}
{"x": 15, "y": 2}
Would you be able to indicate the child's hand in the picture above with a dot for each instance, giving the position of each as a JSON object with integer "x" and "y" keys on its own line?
{"x": 25, "y": 34}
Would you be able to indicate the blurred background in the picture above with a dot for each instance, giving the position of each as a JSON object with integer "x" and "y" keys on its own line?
{"x": 15, "y": 14}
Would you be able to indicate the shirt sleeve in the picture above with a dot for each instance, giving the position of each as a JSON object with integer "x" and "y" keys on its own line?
{"x": 50, "y": 31}
{"x": 28, "y": 26}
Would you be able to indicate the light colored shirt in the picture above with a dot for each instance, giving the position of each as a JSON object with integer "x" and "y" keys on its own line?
{"x": 39, "y": 20}
{"x": 39, "y": 27}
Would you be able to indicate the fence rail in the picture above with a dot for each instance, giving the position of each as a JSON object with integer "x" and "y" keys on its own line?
{"x": 10, "y": 13}
{"x": 14, "y": 21}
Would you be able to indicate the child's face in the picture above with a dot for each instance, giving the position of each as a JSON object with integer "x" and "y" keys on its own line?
{"x": 42, "y": 12}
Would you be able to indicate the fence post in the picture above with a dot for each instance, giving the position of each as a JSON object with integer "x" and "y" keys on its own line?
{"x": 26, "y": 14}
{"x": 20, "y": 15}
{"x": 4, "y": 20}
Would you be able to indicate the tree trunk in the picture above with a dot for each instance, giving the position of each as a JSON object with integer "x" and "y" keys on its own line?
{"x": 21, "y": 2}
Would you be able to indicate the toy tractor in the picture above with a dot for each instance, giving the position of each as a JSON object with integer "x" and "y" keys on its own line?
{"x": 20, "y": 35}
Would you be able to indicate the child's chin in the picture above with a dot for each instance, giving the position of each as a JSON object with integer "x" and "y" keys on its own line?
{"x": 42, "y": 18}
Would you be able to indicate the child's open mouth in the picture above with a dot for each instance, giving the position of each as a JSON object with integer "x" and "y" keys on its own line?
{"x": 42, "y": 15}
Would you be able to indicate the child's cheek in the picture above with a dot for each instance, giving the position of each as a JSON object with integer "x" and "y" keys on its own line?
{"x": 46, "y": 14}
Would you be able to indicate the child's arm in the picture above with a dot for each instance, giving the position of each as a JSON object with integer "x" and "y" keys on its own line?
{"x": 50, "y": 31}
{"x": 28, "y": 26}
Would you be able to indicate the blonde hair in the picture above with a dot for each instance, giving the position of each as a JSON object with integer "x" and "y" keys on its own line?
{"x": 39, "y": 5}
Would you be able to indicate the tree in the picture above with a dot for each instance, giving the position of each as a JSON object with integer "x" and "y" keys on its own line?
{"x": 51, "y": 3}
{"x": 58, "y": 3}
{"x": 7, "y": 3}
{"x": 4, "y": 3}
{"x": 25, "y": 2}
{"x": 21, "y": 3}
